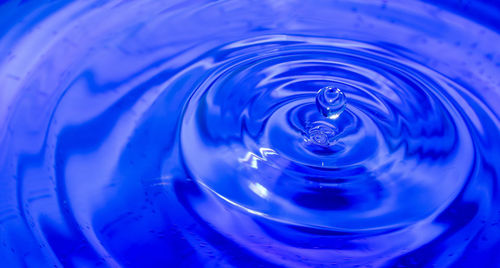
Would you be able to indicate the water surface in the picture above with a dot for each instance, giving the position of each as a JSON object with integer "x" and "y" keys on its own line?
{"x": 191, "y": 133}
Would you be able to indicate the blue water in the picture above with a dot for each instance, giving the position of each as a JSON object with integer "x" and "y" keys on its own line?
{"x": 249, "y": 133}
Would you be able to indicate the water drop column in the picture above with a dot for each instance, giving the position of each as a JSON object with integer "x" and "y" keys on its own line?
{"x": 330, "y": 102}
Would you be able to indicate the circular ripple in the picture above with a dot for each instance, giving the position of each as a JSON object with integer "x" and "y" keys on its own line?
{"x": 387, "y": 163}
{"x": 155, "y": 134}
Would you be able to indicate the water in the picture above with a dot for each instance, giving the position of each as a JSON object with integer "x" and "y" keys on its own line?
{"x": 331, "y": 102}
{"x": 213, "y": 134}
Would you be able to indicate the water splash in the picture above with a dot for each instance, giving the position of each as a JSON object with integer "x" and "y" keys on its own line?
{"x": 171, "y": 133}
{"x": 322, "y": 134}
{"x": 331, "y": 102}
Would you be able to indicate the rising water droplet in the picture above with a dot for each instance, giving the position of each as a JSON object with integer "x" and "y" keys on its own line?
{"x": 330, "y": 102}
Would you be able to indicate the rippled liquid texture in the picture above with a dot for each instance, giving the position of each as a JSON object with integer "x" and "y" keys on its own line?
{"x": 187, "y": 134}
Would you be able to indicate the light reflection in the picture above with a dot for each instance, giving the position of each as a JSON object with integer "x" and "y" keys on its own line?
{"x": 259, "y": 190}
{"x": 252, "y": 158}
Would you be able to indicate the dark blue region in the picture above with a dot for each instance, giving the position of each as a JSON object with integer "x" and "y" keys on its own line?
{"x": 486, "y": 12}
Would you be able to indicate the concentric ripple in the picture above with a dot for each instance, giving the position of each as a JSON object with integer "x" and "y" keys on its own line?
{"x": 248, "y": 134}
{"x": 399, "y": 136}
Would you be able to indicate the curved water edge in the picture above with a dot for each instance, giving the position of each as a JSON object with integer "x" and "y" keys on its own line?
{"x": 145, "y": 134}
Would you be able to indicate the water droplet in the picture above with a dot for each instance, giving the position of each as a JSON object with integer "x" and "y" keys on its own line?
{"x": 330, "y": 101}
